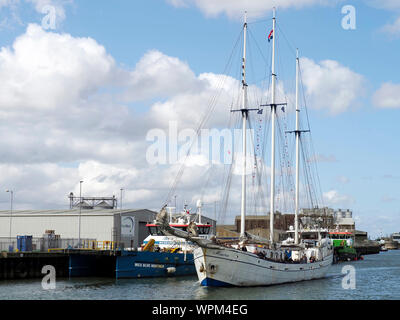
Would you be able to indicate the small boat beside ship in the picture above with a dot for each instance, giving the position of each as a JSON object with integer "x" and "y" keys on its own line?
{"x": 163, "y": 255}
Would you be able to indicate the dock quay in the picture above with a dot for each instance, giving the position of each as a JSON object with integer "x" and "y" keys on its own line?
{"x": 82, "y": 241}
{"x": 67, "y": 263}
{"x": 368, "y": 247}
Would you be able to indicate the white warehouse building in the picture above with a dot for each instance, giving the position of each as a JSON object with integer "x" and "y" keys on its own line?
{"x": 127, "y": 226}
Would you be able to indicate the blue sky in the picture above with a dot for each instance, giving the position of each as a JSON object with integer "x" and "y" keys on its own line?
{"x": 361, "y": 138}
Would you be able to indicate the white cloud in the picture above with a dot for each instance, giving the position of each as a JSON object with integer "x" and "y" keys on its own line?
{"x": 255, "y": 8}
{"x": 393, "y": 28}
{"x": 343, "y": 179}
{"x": 334, "y": 198}
{"x": 7, "y": 3}
{"x": 331, "y": 86}
{"x": 387, "y": 96}
{"x": 46, "y": 70}
{"x": 159, "y": 75}
{"x": 388, "y": 198}
{"x": 384, "y": 4}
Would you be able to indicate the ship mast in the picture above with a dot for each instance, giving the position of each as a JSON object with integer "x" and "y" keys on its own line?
{"x": 296, "y": 215}
{"x": 298, "y": 133}
{"x": 273, "y": 111}
{"x": 244, "y": 111}
{"x": 245, "y": 114}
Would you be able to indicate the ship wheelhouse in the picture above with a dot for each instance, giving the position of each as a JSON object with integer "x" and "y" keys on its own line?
{"x": 341, "y": 238}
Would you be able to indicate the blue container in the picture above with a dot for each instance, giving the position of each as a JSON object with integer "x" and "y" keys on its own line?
{"x": 19, "y": 243}
{"x": 24, "y": 243}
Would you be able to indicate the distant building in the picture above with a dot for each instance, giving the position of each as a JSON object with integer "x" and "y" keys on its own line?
{"x": 343, "y": 220}
{"x": 317, "y": 217}
{"x": 328, "y": 218}
{"x": 259, "y": 225}
{"x": 281, "y": 222}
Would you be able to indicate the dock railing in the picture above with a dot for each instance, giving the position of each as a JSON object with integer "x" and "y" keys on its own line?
{"x": 44, "y": 245}
{"x": 7, "y": 245}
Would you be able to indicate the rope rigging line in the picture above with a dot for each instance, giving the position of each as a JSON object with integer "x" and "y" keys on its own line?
{"x": 257, "y": 191}
{"x": 311, "y": 140}
{"x": 256, "y": 169}
{"x": 306, "y": 183}
{"x": 211, "y": 107}
{"x": 286, "y": 39}
{"x": 227, "y": 186}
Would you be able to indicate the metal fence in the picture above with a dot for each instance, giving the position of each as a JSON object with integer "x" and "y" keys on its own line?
{"x": 46, "y": 244}
{"x": 5, "y": 244}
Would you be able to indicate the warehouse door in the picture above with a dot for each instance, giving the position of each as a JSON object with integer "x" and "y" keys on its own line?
{"x": 143, "y": 232}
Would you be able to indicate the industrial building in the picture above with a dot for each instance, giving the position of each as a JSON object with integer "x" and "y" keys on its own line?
{"x": 126, "y": 227}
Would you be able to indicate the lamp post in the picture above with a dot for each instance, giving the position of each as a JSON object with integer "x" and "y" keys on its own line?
{"x": 11, "y": 210}
{"x": 120, "y": 219}
{"x": 121, "y": 197}
{"x": 80, "y": 212}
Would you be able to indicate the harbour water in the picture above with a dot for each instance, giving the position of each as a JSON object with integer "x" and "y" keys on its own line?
{"x": 377, "y": 277}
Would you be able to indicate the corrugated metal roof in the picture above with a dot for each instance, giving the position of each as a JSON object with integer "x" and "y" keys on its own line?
{"x": 95, "y": 211}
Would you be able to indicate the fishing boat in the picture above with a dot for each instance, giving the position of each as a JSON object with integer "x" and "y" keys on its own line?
{"x": 164, "y": 255}
{"x": 254, "y": 261}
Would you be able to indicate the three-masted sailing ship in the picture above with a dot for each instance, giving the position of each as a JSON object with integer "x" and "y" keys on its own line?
{"x": 257, "y": 262}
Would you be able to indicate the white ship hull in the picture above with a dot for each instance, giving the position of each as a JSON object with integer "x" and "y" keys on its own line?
{"x": 230, "y": 267}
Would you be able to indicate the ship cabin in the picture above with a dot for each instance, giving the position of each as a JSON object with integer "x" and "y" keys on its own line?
{"x": 341, "y": 238}
{"x": 310, "y": 237}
